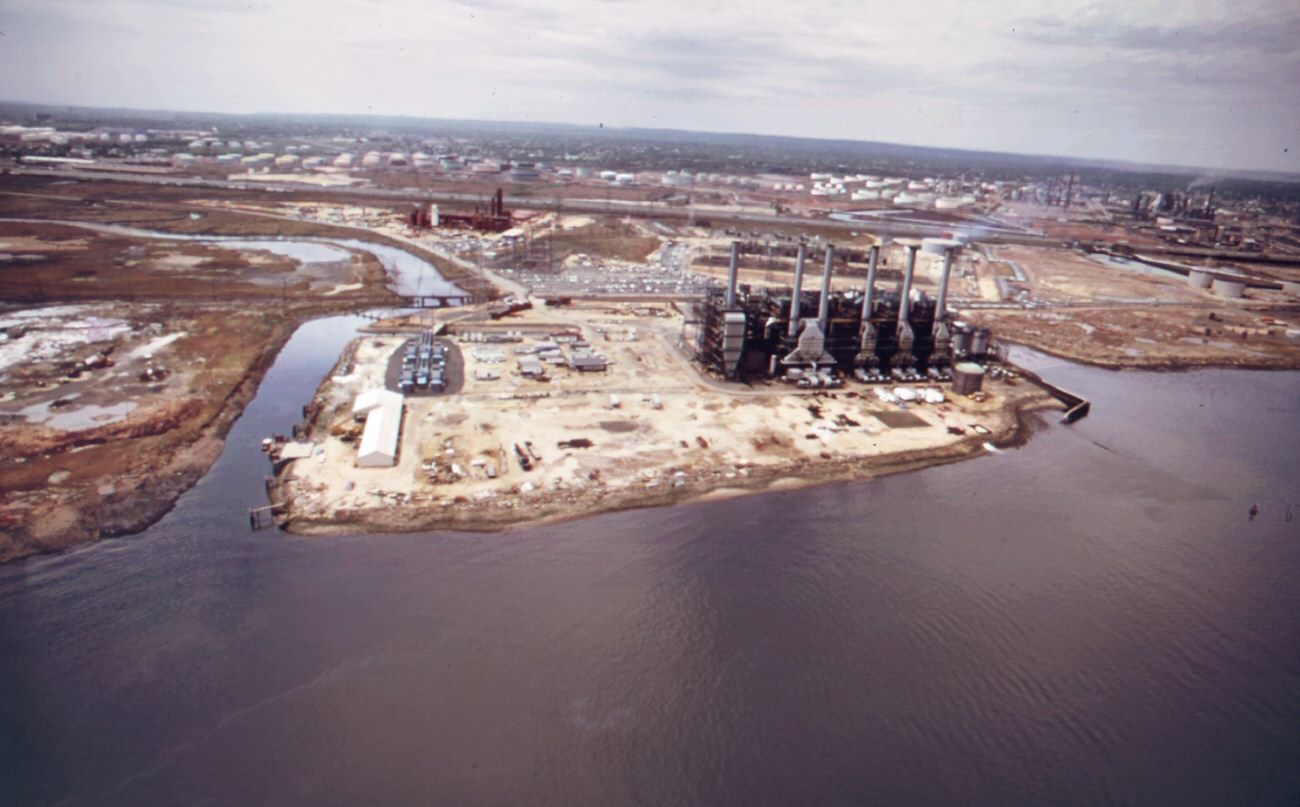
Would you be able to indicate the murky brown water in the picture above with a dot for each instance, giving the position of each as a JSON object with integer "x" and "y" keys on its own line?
{"x": 1088, "y": 619}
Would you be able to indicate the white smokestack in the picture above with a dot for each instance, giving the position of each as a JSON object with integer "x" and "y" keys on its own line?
{"x": 824, "y": 309}
{"x": 798, "y": 289}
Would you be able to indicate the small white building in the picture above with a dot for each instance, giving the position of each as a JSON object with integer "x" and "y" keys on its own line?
{"x": 382, "y": 410}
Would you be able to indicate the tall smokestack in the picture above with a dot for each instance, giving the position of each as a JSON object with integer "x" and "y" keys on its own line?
{"x": 731, "y": 274}
{"x": 1209, "y": 204}
{"x": 870, "y": 293}
{"x": 824, "y": 309}
{"x": 904, "y": 301}
{"x": 1069, "y": 189}
{"x": 798, "y": 289}
{"x": 942, "y": 302}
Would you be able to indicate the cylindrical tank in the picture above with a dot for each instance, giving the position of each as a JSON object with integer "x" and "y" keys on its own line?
{"x": 960, "y": 342}
{"x": 1199, "y": 279}
{"x": 1291, "y": 287}
{"x": 1228, "y": 288}
{"x": 979, "y": 342}
{"x": 967, "y": 378}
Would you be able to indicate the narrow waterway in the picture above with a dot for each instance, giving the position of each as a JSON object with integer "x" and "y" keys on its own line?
{"x": 409, "y": 274}
{"x": 1091, "y": 618}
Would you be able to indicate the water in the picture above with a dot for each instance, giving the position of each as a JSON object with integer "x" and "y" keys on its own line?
{"x": 409, "y": 274}
{"x": 1088, "y": 619}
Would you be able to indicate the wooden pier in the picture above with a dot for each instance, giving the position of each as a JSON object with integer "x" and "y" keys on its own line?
{"x": 1076, "y": 406}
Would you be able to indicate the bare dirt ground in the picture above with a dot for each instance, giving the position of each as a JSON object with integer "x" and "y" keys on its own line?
{"x": 1155, "y": 337}
{"x": 111, "y": 410}
{"x": 671, "y": 435}
{"x": 1060, "y": 275}
{"x": 116, "y": 399}
{"x": 1131, "y": 315}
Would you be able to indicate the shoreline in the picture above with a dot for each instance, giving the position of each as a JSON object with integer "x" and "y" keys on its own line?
{"x": 145, "y": 506}
{"x": 135, "y": 506}
{"x": 1161, "y": 366}
{"x": 1022, "y": 420}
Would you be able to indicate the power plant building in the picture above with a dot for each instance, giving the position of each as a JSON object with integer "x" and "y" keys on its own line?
{"x": 871, "y": 333}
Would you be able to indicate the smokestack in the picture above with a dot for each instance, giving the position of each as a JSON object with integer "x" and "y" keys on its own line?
{"x": 870, "y": 292}
{"x": 1209, "y": 204}
{"x": 1069, "y": 189}
{"x": 824, "y": 310}
{"x": 798, "y": 289}
{"x": 943, "y": 285}
{"x": 731, "y": 274}
{"x": 904, "y": 301}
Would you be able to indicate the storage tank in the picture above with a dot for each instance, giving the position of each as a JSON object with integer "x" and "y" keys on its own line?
{"x": 979, "y": 341}
{"x": 1291, "y": 287}
{"x": 1199, "y": 279}
{"x": 960, "y": 341}
{"x": 967, "y": 378}
{"x": 1228, "y": 288}
{"x": 938, "y": 246}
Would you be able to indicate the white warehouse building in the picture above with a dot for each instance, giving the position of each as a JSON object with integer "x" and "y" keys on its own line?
{"x": 382, "y": 410}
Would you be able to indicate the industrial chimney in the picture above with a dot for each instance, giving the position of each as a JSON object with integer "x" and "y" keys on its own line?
{"x": 867, "y": 332}
{"x": 942, "y": 335}
{"x": 903, "y": 358}
{"x": 798, "y": 290}
{"x": 731, "y": 275}
{"x": 869, "y": 294}
{"x": 824, "y": 309}
{"x": 942, "y": 302}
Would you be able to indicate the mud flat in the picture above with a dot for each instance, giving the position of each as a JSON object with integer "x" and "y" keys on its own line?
{"x": 117, "y": 401}
{"x": 112, "y": 410}
{"x": 648, "y": 431}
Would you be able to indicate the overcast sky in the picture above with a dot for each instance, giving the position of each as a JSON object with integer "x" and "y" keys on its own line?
{"x": 1193, "y": 82}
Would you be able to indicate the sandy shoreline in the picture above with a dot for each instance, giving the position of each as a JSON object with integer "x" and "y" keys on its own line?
{"x": 1013, "y": 428}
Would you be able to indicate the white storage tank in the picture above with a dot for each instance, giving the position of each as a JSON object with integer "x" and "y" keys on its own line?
{"x": 1199, "y": 279}
{"x": 1291, "y": 287}
{"x": 1228, "y": 288}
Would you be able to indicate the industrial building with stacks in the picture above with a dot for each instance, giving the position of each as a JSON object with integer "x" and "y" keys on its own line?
{"x": 817, "y": 337}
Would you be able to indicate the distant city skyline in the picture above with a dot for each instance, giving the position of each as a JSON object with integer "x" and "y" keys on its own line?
{"x": 1208, "y": 84}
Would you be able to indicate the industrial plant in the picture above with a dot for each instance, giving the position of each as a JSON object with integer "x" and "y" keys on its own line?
{"x": 815, "y": 337}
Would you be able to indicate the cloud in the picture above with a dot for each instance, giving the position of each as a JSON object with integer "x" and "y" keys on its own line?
{"x": 1094, "y": 78}
{"x": 1272, "y": 35}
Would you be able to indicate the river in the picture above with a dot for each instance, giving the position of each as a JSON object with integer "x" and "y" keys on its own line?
{"x": 408, "y": 274}
{"x": 1090, "y": 618}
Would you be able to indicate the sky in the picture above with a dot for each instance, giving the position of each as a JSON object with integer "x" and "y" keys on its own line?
{"x": 1193, "y": 82}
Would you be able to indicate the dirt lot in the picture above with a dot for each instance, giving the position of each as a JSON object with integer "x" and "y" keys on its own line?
{"x": 670, "y": 434}
{"x": 1061, "y": 275}
{"x": 1157, "y": 337}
